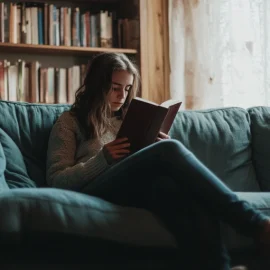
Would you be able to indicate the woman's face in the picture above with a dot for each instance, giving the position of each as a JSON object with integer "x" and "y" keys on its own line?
{"x": 122, "y": 82}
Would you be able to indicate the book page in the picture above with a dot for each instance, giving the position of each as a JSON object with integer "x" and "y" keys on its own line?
{"x": 145, "y": 100}
{"x": 168, "y": 121}
{"x": 169, "y": 103}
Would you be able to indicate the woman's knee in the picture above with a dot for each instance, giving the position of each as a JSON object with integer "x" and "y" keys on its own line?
{"x": 166, "y": 150}
{"x": 173, "y": 149}
{"x": 172, "y": 146}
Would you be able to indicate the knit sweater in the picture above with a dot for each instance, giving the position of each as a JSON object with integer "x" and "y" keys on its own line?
{"x": 73, "y": 161}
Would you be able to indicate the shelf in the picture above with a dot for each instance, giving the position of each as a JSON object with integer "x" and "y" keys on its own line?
{"x": 59, "y": 50}
{"x": 67, "y": 1}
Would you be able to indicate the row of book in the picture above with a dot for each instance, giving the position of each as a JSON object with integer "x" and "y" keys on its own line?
{"x": 42, "y": 23}
{"x": 29, "y": 82}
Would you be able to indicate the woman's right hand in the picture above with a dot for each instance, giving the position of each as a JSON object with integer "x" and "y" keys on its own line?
{"x": 116, "y": 149}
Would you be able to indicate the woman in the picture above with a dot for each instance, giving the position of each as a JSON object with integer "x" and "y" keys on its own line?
{"x": 165, "y": 178}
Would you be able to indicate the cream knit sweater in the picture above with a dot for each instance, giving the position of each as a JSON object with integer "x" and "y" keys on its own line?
{"x": 72, "y": 161}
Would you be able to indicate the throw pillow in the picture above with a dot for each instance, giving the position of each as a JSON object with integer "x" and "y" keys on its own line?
{"x": 16, "y": 174}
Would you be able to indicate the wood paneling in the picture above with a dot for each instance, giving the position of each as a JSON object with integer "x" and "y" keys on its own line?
{"x": 154, "y": 49}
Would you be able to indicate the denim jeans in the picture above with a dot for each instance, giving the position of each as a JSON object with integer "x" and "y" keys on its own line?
{"x": 167, "y": 179}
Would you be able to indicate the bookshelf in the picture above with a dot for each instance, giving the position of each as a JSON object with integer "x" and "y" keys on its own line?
{"x": 150, "y": 52}
{"x": 45, "y": 45}
{"x": 59, "y": 50}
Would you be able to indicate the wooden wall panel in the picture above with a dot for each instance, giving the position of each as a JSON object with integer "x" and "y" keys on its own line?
{"x": 154, "y": 50}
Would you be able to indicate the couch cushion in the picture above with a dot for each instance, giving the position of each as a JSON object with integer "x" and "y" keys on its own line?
{"x": 260, "y": 201}
{"x": 29, "y": 126}
{"x": 15, "y": 172}
{"x": 3, "y": 183}
{"x": 53, "y": 211}
{"x": 260, "y": 128}
{"x": 221, "y": 139}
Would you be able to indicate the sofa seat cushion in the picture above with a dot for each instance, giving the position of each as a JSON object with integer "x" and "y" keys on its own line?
{"x": 15, "y": 172}
{"x": 260, "y": 201}
{"x": 52, "y": 211}
{"x": 221, "y": 139}
{"x": 3, "y": 183}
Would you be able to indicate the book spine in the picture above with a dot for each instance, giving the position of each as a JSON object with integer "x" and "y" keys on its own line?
{"x": 51, "y": 85}
{"x": 98, "y": 30}
{"x": 19, "y": 22}
{"x": 41, "y": 85}
{"x": 82, "y": 30}
{"x": 34, "y": 82}
{"x": 69, "y": 26}
{"x": 2, "y": 29}
{"x": 28, "y": 36}
{"x": 62, "y": 27}
{"x": 6, "y": 22}
{"x": 103, "y": 26}
{"x": 45, "y": 84}
{"x": 23, "y": 23}
{"x": 50, "y": 26}
{"x": 6, "y": 78}
{"x": 27, "y": 82}
{"x": 65, "y": 26}
{"x": 13, "y": 23}
{"x": 78, "y": 28}
{"x": 88, "y": 29}
{"x": 45, "y": 24}
{"x": 55, "y": 26}
{"x": 13, "y": 82}
{"x": 34, "y": 25}
{"x": 40, "y": 26}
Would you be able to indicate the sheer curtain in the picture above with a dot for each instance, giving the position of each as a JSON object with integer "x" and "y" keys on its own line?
{"x": 220, "y": 52}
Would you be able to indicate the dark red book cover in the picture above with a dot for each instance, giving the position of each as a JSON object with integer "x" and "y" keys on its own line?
{"x": 144, "y": 120}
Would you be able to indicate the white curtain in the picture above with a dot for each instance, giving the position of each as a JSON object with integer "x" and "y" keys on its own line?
{"x": 220, "y": 52}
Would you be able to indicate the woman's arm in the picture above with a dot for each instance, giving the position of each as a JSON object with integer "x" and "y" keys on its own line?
{"x": 62, "y": 170}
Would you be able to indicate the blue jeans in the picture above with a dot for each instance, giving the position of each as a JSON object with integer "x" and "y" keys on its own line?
{"x": 167, "y": 179}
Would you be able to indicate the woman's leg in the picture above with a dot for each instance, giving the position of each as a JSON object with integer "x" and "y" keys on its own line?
{"x": 196, "y": 231}
{"x": 132, "y": 181}
{"x": 170, "y": 157}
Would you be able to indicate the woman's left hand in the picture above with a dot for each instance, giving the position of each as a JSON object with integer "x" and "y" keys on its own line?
{"x": 162, "y": 136}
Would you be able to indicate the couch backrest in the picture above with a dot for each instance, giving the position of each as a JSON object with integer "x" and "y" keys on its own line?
{"x": 29, "y": 126}
{"x": 260, "y": 128}
{"x": 221, "y": 139}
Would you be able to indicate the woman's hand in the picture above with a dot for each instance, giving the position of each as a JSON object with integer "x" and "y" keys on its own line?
{"x": 162, "y": 136}
{"x": 116, "y": 149}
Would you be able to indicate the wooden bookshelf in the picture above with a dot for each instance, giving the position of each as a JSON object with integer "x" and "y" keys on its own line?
{"x": 59, "y": 50}
{"x": 151, "y": 54}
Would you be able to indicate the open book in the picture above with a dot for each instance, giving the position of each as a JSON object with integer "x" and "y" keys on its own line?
{"x": 144, "y": 119}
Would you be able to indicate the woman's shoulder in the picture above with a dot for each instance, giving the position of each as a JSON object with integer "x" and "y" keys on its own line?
{"x": 67, "y": 120}
{"x": 66, "y": 116}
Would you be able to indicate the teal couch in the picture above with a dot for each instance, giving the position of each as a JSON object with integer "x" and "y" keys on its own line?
{"x": 46, "y": 226}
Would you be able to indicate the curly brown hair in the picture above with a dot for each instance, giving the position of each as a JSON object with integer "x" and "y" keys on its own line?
{"x": 91, "y": 106}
